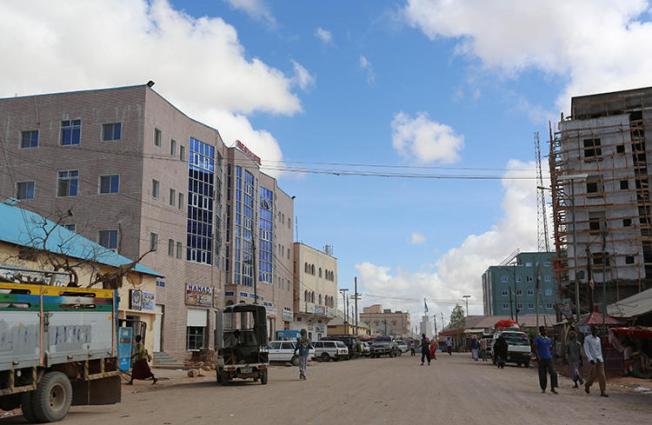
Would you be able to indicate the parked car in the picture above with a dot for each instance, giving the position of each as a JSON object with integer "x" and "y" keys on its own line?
{"x": 350, "y": 341}
{"x": 330, "y": 350}
{"x": 402, "y": 345}
{"x": 518, "y": 347}
{"x": 283, "y": 351}
{"x": 384, "y": 346}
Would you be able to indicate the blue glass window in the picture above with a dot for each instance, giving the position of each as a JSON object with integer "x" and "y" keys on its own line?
{"x": 111, "y": 131}
{"x": 109, "y": 239}
{"x": 70, "y": 132}
{"x": 266, "y": 235}
{"x": 29, "y": 139}
{"x": 110, "y": 184}
{"x": 68, "y": 183}
{"x": 201, "y": 189}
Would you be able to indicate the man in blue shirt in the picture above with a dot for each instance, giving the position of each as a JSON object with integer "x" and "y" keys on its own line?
{"x": 543, "y": 346}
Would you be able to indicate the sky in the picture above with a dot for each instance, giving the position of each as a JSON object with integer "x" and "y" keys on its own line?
{"x": 402, "y": 86}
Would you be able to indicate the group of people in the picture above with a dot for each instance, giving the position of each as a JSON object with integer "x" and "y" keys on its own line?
{"x": 428, "y": 349}
{"x": 592, "y": 351}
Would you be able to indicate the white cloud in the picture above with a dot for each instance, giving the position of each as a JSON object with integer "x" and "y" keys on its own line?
{"x": 458, "y": 272}
{"x": 368, "y": 68}
{"x": 197, "y": 63}
{"x": 424, "y": 140}
{"x": 417, "y": 238}
{"x": 324, "y": 35}
{"x": 596, "y": 46}
{"x": 302, "y": 77}
{"x": 257, "y": 9}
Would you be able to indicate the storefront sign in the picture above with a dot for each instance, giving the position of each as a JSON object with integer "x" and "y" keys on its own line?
{"x": 287, "y": 315}
{"x": 142, "y": 300}
{"x": 320, "y": 310}
{"x": 149, "y": 301}
{"x": 247, "y": 152}
{"x": 199, "y": 295}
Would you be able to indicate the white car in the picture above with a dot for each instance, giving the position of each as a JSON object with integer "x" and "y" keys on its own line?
{"x": 330, "y": 350}
{"x": 283, "y": 351}
{"x": 402, "y": 345}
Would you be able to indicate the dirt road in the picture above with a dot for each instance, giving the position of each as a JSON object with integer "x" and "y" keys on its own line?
{"x": 454, "y": 390}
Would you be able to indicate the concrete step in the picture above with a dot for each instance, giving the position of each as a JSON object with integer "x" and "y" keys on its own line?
{"x": 168, "y": 361}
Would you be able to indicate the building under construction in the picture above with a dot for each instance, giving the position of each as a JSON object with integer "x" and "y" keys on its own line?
{"x": 599, "y": 171}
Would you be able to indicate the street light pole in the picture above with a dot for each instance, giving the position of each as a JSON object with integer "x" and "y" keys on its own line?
{"x": 345, "y": 307}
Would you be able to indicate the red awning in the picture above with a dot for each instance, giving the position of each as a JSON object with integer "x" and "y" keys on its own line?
{"x": 506, "y": 323}
{"x": 640, "y": 333}
{"x": 595, "y": 318}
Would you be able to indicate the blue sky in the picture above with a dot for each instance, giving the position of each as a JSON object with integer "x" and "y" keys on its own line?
{"x": 401, "y": 82}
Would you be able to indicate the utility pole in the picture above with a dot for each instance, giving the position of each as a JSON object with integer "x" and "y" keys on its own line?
{"x": 356, "y": 297}
{"x": 345, "y": 307}
{"x": 442, "y": 320}
{"x": 466, "y": 298}
{"x": 537, "y": 289}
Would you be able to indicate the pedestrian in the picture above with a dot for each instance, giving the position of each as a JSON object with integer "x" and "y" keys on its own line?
{"x": 449, "y": 347}
{"x": 543, "y": 345}
{"x": 141, "y": 369}
{"x": 475, "y": 347}
{"x": 433, "y": 349}
{"x": 413, "y": 349}
{"x": 483, "y": 349}
{"x": 425, "y": 351}
{"x": 303, "y": 349}
{"x": 500, "y": 351}
{"x": 574, "y": 358}
{"x": 593, "y": 351}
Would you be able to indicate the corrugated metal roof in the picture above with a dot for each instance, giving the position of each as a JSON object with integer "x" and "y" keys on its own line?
{"x": 25, "y": 228}
{"x": 633, "y": 306}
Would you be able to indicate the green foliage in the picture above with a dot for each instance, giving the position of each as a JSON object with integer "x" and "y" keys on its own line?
{"x": 457, "y": 317}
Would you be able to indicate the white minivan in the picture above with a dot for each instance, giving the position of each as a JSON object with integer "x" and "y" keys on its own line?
{"x": 283, "y": 351}
{"x": 330, "y": 350}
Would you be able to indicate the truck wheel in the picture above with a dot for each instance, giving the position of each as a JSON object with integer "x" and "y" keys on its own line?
{"x": 219, "y": 376}
{"x": 52, "y": 397}
{"x": 325, "y": 357}
{"x": 27, "y": 406}
{"x": 263, "y": 377}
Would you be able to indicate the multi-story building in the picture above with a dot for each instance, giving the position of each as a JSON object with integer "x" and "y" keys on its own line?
{"x": 425, "y": 326}
{"x": 512, "y": 287}
{"x": 601, "y": 196}
{"x": 125, "y": 167}
{"x": 315, "y": 289}
{"x": 254, "y": 197}
{"x": 385, "y": 321}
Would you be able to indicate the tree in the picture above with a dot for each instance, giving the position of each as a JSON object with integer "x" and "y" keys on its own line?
{"x": 457, "y": 317}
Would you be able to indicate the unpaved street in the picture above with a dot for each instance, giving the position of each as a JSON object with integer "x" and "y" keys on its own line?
{"x": 454, "y": 390}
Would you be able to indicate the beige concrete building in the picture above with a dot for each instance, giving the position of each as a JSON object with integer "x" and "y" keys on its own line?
{"x": 315, "y": 289}
{"x": 385, "y": 321}
{"x": 25, "y": 251}
{"x": 139, "y": 175}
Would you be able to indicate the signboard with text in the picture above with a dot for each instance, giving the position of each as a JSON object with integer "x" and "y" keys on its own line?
{"x": 247, "y": 152}
{"x": 199, "y": 295}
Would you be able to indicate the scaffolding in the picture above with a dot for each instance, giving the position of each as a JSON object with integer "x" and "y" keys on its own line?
{"x": 612, "y": 211}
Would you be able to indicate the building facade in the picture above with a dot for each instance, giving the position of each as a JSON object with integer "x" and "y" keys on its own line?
{"x": 315, "y": 289}
{"x": 601, "y": 196}
{"x": 509, "y": 288}
{"x": 385, "y": 321}
{"x": 139, "y": 176}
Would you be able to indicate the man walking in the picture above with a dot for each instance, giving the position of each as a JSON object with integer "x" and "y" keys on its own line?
{"x": 593, "y": 351}
{"x": 303, "y": 348}
{"x": 543, "y": 346}
{"x": 475, "y": 346}
{"x": 483, "y": 349}
{"x": 425, "y": 349}
{"x": 574, "y": 358}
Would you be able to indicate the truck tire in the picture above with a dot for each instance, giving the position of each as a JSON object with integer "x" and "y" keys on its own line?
{"x": 27, "y": 406}
{"x": 52, "y": 398}
{"x": 325, "y": 357}
{"x": 263, "y": 377}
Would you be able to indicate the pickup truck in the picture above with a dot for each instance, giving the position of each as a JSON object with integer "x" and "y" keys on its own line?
{"x": 518, "y": 347}
{"x": 384, "y": 346}
{"x": 57, "y": 349}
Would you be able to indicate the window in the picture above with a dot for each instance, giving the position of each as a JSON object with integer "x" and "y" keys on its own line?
{"x": 548, "y": 292}
{"x": 25, "y": 190}
{"x": 620, "y": 148}
{"x": 627, "y": 222}
{"x": 504, "y": 293}
{"x": 504, "y": 279}
{"x": 179, "y": 250}
{"x": 530, "y": 279}
{"x": 109, "y": 239}
{"x": 547, "y": 278}
{"x": 600, "y": 259}
{"x": 29, "y": 139}
{"x": 592, "y": 149}
{"x": 181, "y": 201}
{"x": 519, "y": 306}
{"x": 549, "y": 306}
{"x": 170, "y": 248}
{"x": 182, "y": 152}
{"x": 70, "y": 132}
{"x": 530, "y": 306}
{"x": 530, "y": 291}
{"x": 112, "y": 131}
{"x": 519, "y": 279}
{"x": 505, "y": 306}
{"x": 153, "y": 241}
{"x": 155, "y": 188}
{"x": 157, "y": 137}
{"x": 195, "y": 336}
{"x": 594, "y": 186}
{"x": 68, "y": 183}
{"x": 624, "y": 184}
{"x": 629, "y": 259}
{"x": 110, "y": 184}
{"x": 597, "y": 222}
{"x": 173, "y": 197}
{"x": 70, "y": 227}
{"x": 519, "y": 292}
{"x": 173, "y": 147}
